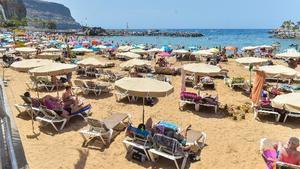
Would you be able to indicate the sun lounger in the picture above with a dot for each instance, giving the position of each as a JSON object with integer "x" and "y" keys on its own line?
{"x": 37, "y": 83}
{"x": 140, "y": 139}
{"x": 235, "y": 82}
{"x": 103, "y": 129}
{"x": 88, "y": 87}
{"x": 265, "y": 109}
{"x": 32, "y": 110}
{"x": 291, "y": 114}
{"x": 50, "y": 116}
{"x": 267, "y": 143}
{"x": 209, "y": 101}
{"x": 188, "y": 98}
{"x": 207, "y": 82}
{"x": 168, "y": 148}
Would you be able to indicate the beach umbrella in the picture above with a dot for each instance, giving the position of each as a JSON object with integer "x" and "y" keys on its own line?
{"x": 101, "y": 47}
{"x": 26, "y": 50}
{"x": 251, "y": 60}
{"x": 138, "y": 51}
{"x": 82, "y": 50}
{"x": 46, "y": 55}
{"x": 26, "y": 65}
{"x": 202, "y": 53}
{"x": 134, "y": 62}
{"x": 213, "y": 50}
{"x": 202, "y": 69}
{"x": 166, "y": 48}
{"x": 154, "y": 50}
{"x": 144, "y": 87}
{"x": 249, "y": 48}
{"x": 289, "y": 102}
{"x": 288, "y": 54}
{"x": 128, "y": 55}
{"x": 125, "y": 48}
{"x": 265, "y": 46}
{"x": 232, "y": 48}
{"x": 92, "y": 62}
{"x": 278, "y": 71}
{"x": 180, "y": 51}
{"x": 52, "y": 50}
{"x": 164, "y": 54}
{"x": 54, "y": 69}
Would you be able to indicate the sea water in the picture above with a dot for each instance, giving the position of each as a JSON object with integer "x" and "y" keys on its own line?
{"x": 212, "y": 38}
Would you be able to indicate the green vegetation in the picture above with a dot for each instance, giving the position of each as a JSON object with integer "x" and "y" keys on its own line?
{"x": 12, "y": 23}
{"x": 44, "y": 24}
{"x": 289, "y": 25}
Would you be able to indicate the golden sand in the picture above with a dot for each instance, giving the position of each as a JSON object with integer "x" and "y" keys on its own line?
{"x": 230, "y": 144}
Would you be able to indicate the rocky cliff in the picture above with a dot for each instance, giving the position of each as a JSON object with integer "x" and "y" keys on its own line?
{"x": 39, "y": 11}
{"x": 13, "y": 9}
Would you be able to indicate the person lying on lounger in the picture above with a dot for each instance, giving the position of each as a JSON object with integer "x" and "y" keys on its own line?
{"x": 71, "y": 102}
{"x": 50, "y": 102}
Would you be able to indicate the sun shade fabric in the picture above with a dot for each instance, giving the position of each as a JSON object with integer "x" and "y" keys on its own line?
{"x": 26, "y": 65}
{"x": 289, "y": 102}
{"x": 144, "y": 87}
{"x": 54, "y": 69}
{"x": 202, "y": 69}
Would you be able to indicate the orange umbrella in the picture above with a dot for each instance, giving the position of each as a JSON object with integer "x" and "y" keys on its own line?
{"x": 233, "y": 48}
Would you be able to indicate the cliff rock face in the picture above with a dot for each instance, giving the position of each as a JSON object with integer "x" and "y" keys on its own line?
{"x": 49, "y": 11}
{"x": 13, "y": 9}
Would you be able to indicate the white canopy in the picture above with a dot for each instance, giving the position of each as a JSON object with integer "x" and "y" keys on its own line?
{"x": 289, "y": 102}
{"x": 154, "y": 50}
{"x": 202, "y": 53}
{"x": 128, "y": 55}
{"x": 124, "y": 48}
{"x": 251, "y": 60}
{"x": 82, "y": 50}
{"x": 288, "y": 55}
{"x": 93, "y": 62}
{"x": 25, "y": 65}
{"x": 144, "y": 87}
{"x": 26, "y": 50}
{"x": 279, "y": 71}
{"x": 52, "y": 50}
{"x": 138, "y": 51}
{"x": 180, "y": 51}
{"x": 134, "y": 62}
{"x": 249, "y": 48}
{"x": 202, "y": 69}
{"x": 54, "y": 69}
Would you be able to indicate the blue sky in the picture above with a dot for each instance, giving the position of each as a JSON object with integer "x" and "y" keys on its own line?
{"x": 183, "y": 13}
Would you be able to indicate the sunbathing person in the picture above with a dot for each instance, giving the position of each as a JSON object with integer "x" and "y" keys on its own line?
{"x": 49, "y": 102}
{"x": 290, "y": 154}
{"x": 277, "y": 152}
{"x": 71, "y": 102}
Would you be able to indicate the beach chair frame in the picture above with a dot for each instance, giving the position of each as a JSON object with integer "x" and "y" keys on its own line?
{"x": 163, "y": 152}
{"x": 52, "y": 117}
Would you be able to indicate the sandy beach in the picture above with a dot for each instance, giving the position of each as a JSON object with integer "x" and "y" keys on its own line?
{"x": 230, "y": 144}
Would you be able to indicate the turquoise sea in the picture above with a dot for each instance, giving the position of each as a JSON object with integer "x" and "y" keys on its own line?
{"x": 212, "y": 38}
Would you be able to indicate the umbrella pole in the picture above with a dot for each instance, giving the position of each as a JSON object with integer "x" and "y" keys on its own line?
{"x": 56, "y": 83}
{"x": 143, "y": 110}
